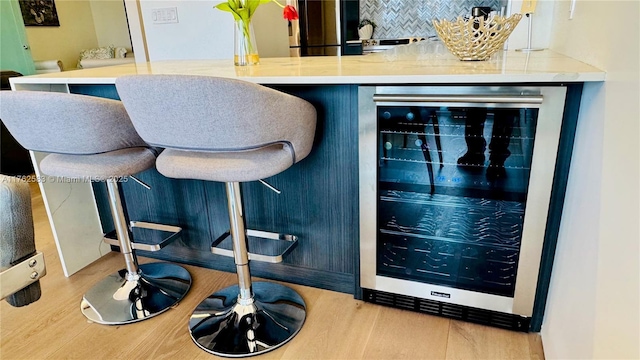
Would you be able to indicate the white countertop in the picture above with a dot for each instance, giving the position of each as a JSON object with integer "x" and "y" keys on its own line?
{"x": 391, "y": 67}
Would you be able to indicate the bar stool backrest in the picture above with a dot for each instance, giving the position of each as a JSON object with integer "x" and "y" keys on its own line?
{"x": 203, "y": 113}
{"x": 67, "y": 123}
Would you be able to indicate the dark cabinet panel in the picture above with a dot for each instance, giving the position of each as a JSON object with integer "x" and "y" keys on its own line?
{"x": 318, "y": 202}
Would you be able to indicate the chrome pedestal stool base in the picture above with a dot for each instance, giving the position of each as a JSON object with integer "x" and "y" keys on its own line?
{"x": 221, "y": 325}
{"x": 117, "y": 300}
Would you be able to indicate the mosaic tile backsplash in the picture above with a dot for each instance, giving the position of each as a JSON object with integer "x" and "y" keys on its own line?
{"x": 405, "y": 18}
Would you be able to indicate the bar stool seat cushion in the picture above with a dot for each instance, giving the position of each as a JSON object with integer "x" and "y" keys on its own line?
{"x": 240, "y": 166}
{"x": 98, "y": 167}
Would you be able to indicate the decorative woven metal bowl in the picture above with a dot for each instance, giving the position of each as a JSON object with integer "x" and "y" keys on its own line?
{"x": 476, "y": 38}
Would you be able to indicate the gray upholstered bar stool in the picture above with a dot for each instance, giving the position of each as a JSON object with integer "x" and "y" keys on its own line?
{"x": 93, "y": 138}
{"x": 229, "y": 131}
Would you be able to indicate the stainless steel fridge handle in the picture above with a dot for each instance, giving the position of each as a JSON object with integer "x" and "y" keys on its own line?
{"x": 466, "y": 99}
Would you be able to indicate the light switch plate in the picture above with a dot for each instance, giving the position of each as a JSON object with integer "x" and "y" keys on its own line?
{"x": 165, "y": 15}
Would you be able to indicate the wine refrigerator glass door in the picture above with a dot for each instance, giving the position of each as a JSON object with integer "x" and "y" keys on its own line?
{"x": 455, "y": 180}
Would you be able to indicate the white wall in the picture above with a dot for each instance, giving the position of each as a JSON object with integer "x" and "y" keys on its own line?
{"x": 110, "y": 22}
{"x": 540, "y": 25}
{"x": 568, "y": 328}
{"x": 593, "y": 306}
{"x": 272, "y": 34}
{"x": 202, "y": 32}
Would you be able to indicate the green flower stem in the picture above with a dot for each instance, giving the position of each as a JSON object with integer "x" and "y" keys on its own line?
{"x": 248, "y": 44}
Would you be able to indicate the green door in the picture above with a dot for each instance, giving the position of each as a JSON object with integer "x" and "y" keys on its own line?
{"x": 14, "y": 48}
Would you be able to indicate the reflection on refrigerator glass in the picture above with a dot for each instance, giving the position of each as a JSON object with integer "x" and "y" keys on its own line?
{"x": 452, "y": 192}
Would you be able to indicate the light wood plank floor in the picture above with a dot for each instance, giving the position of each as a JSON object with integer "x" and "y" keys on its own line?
{"x": 337, "y": 326}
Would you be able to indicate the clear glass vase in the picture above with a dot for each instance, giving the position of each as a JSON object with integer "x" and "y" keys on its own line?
{"x": 246, "y": 50}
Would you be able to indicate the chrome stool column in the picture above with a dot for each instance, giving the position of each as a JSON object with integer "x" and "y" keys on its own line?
{"x": 136, "y": 292}
{"x": 236, "y": 321}
{"x": 267, "y": 134}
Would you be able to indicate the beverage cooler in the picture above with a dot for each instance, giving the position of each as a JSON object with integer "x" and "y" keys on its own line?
{"x": 455, "y": 187}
